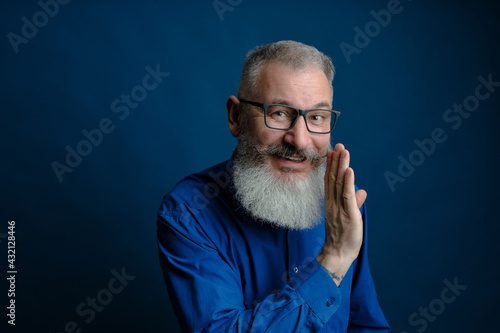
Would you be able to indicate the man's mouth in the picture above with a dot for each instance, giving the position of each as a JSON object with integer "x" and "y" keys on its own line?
{"x": 292, "y": 158}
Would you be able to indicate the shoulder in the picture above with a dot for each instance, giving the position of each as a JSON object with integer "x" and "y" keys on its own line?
{"x": 201, "y": 208}
{"x": 199, "y": 190}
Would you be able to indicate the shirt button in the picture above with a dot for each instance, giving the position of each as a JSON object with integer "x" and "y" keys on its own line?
{"x": 329, "y": 302}
{"x": 295, "y": 269}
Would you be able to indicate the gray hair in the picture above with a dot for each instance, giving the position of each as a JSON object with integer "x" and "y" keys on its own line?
{"x": 289, "y": 53}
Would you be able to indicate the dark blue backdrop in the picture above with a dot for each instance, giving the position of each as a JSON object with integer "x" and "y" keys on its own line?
{"x": 85, "y": 225}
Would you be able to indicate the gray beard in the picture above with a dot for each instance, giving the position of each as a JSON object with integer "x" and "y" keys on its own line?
{"x": 290, "y": 202}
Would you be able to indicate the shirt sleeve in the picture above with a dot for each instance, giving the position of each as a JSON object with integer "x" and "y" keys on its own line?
{"x": 365, "y": 312}
{"x": 206, "y": 291}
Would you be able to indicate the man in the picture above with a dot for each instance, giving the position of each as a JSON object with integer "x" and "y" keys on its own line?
{"x": 272, "y": 240}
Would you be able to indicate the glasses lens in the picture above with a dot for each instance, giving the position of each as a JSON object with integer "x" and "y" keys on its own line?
{"x": 280, "y": 117}
{"x": 320, "y": 121}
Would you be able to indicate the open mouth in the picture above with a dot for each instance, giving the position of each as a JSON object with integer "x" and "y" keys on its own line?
{"x": 293, "y": 158}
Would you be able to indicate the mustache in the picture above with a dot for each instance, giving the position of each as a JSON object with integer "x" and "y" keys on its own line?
{"x": 287, "y": 150}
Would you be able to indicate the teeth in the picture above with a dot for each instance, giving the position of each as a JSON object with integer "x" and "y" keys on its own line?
{"x": 294, "y": 159}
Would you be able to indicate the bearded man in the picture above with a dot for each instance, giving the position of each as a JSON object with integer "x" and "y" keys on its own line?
{"x": 272, "y": 240}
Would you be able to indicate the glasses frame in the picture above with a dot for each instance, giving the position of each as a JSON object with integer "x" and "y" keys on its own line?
{"x": 299, "y": 113}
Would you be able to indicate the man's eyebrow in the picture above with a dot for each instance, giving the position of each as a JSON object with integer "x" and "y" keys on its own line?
{"x": 319, "y": 105}
{"x": 280, "y": 101}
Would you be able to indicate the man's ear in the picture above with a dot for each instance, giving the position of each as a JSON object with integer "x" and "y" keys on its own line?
{"x": 234, "y": 115}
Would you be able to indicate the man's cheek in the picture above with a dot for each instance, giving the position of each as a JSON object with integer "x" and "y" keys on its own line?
{"x": 323, "y": 144}
{"x": 267, "y": 137}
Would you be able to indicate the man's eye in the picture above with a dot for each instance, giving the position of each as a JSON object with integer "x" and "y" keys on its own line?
{"x": 280, "y": 114}
{"x": 317, "y": 118}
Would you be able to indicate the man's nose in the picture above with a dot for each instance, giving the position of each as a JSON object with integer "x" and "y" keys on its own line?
{"x": 298, "y": 135}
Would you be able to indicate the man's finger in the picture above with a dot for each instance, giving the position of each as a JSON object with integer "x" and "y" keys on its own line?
{"x": 360, "y": 198}
{"x": 343, "y": 165}
{"x": 328, "y": 187}
{"x": 349, "y": 196}
{"x": 334, "y": 170}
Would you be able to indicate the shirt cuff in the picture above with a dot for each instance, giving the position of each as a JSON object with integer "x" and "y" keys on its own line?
{"x": 318, "y": 290}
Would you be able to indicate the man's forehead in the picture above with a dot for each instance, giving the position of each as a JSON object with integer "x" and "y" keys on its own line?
{"x": 279, "y": 84}
{"x": 284, "y": 101}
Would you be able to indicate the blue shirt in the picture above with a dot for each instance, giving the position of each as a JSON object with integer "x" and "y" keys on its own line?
{"x": 226, "y": 272}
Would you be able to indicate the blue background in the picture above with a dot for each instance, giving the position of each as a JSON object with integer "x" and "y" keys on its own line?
{"x": 438, "y": 224}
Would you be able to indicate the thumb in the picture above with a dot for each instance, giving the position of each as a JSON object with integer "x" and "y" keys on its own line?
{"x": 360, "y": 197}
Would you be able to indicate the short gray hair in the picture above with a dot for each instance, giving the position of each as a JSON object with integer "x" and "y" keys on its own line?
{"x": 289, "y": 53}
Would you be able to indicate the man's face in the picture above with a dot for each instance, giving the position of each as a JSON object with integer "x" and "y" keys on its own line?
{"x": 303, "y": 89}
{"x": 278, "y": 175}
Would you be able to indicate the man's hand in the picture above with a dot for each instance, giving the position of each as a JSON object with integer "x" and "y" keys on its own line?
{"x": 343, "y": 221}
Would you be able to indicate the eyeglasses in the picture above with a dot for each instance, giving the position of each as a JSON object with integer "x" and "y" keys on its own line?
{"x": 284, "y": 117}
